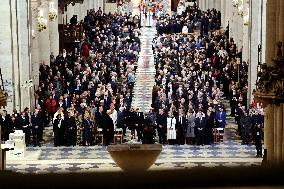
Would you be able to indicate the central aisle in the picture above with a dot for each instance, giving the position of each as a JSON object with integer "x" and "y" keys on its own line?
{"x": 145, "y": 75}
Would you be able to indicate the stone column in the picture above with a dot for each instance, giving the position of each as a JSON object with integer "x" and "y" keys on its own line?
{"x": 24, "y": 38}
{"x": 280, "y": 21}
{"x": 255, "y": 40}
{"x": 278, "y": 133}
{"x": 54, "y": 33}
{"x": 206, "y": 4}
{"x": 223, "y": 14}
{"x": 7, "y": 28}
{"x": 263, "y": 31}
{"x": 217, "y": 4}
{"x": 210, "y": 4}
{"x": 270, "y": 30}
{"x": 269, "y": 131}
{"x": 231, "y": 10}
{"x": 44, "y": 42}
{"x": 240, "y": 32}
{"x": 282, "y": 143}
{"x": 245, "y": 41}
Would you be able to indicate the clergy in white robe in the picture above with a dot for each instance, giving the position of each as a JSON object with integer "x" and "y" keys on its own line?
{"x": 171, "y": 128}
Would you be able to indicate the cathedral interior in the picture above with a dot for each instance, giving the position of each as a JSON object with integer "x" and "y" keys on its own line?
{"x": 196, "y": 85}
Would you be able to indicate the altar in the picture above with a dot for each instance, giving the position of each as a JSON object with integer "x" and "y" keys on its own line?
{"x": 18, "y": 137}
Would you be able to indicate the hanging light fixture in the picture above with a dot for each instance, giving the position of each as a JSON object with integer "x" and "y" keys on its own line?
{"x": 52, "y": 13}
{"x": 235, "y": 3}
{"x": 240, "y": 8}
{"x": 41, "y": 22}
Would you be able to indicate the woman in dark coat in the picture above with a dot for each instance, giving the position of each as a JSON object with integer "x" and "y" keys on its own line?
{"x": 58, "y": 130}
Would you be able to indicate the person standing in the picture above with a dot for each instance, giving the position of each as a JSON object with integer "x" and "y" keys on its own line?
{"x": 257, "y": 140}
{"x": 181, "y": 128}
{"x": 171, "y": 128}
{"x": 162, "y": 126}
{"x": 190, "y": 129}
{"x": 71, "y": 130}
{"x": 200, "y": 125}
{"x": 87, "y": 129}
{"x": 25, "y": 126}
{"x": 58, "y": 129}
{"x": 246, "y": 123}
{"x": 36, "y": 123}
{"x": 108, "y": 128}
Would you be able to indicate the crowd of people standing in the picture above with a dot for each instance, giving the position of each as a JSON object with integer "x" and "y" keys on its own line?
{"x": 197, "y": 66}
{"x": 91, "y": 88}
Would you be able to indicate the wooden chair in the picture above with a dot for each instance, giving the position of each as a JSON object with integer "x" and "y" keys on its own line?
{"x": 118, "y": 134}
{"x": 219, "y": 135}
{"x": 100, "y": 135}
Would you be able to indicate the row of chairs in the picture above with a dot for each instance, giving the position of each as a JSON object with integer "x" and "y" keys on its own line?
{"x": 118, "y": 135}
{"x": 218, "y": 134}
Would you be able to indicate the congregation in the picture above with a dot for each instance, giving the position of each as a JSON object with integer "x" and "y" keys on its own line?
{"x": 91, "y": 87}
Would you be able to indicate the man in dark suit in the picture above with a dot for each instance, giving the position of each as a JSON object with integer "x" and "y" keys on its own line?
{"x": 25, "y": 126}
{"x": 162, "y": 126}
{"x": 200, "y": 125}
{"x": 220, "y": 117}
{"x": 139, "y": 124}
{"x": 181, "y": 127}
{"x": 108, "y": 128}
{"x": 36, "y": 127}
{"x": 66, "y": 102}
{"x": 246, "y": 124}
{"x": 71, "y": 131}
{"x": 257, "y": 140}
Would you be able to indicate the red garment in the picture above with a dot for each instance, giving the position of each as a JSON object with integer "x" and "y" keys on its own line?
{"x": 51, "y": 105}
{"x": 85, "y": 52}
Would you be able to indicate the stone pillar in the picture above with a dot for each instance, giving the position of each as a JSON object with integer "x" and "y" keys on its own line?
{"x": 54, "y": 33}
{"x": 223, "y": 14}
{"x": 263, "y": 31}
{"x": 15, "y": 47}
{"x": 245, "y": 39}
{"x": 44, "y": 42}
{"x": 282, "y": 134}
{"x": 206, "y": 4}
{"x": 217, "y": 4}
{"x": 280, "y": 21}
{"x": 231, "y": 10}
{"x": 269, "y": 131}
{"x": 210, "y": 4}
{"x": 278, "y": 133}
{"x": 270, "y": 30}
{"x": 7, "y": 27}
{"x": 35, "y": 46}
{"x": 255, "y": 40}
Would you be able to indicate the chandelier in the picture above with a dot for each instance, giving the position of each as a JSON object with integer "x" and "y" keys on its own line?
{"x": 41, "y": 22}
{"x": 240, "y": 8}
{"x": 52, "y": 14}
{"x": 235, "y": 3}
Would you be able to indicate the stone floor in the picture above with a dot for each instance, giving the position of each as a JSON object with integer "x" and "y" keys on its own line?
{"x": 47, "y": 158}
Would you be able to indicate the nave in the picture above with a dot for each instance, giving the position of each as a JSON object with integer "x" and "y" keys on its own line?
{"x": 47, "y": 158}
